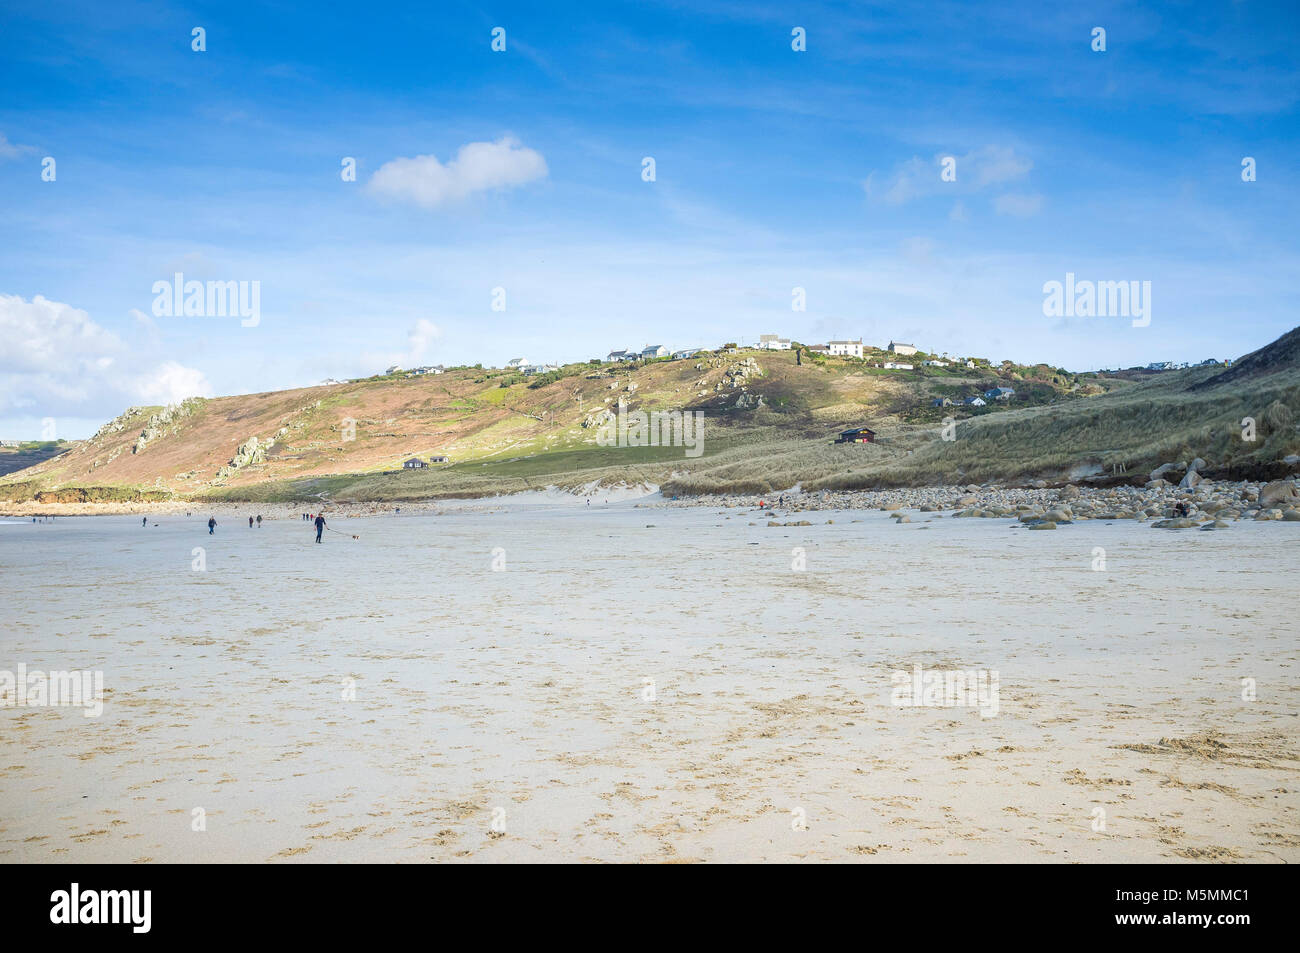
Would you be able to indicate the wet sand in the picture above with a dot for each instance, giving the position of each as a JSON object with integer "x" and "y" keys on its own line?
{"x": 504, "y": 715}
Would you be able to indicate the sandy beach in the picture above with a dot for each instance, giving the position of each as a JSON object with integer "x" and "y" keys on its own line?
{"x": 507, "y": 682}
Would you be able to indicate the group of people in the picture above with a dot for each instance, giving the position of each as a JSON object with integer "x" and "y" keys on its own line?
{"x": 319, "y": 522}
{"x": 316, "y": 518}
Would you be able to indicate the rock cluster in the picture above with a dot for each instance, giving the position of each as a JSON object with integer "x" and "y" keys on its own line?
{"x": 1200, "y": 503}
{"x": 162, "y": 423}
{"x": 248, "y": 453}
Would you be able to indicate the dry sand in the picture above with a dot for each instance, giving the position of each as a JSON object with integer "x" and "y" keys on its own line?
{"x": 518, "y": 698}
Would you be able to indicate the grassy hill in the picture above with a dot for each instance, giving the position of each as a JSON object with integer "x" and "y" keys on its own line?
{"x": 770, "y": 417}
{"x": 28, "y": 453}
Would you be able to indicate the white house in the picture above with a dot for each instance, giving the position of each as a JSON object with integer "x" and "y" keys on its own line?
{"x": 1001, "y": 393}
{"x": 415, "y": 463}
{"x": 613, "y": 357}
{"x": 440, "y": 459}
{"x": 974, "y": 402}
{"x": 686, "y": 353}
{"x": 891, "y": 366}
{"x": 653, "y": 351}
{"x": 845, "y": 348}
{"x": 394, "y": 369}
{"x": 903, "y": 349}
{"x": 532, "y": 369}
{"x": 516, "y": 363}
{"x": 970, "y": 364}
{"x": 430, "y": 369}
{"x": 935, "y": 363}
{"x": 772, "y": 342}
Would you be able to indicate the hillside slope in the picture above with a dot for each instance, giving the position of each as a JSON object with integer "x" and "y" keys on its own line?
{"x": 769, "y": 419}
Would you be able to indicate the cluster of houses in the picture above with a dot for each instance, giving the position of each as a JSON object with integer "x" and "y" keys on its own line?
{"x": 774, "y": 342}
{"x": 652, "y": 353}
{"x": 1175, "y": 366}
{"x": 522, "y": 365}
{"x": 995, "y": 393}
{"x": 415, "y": 371}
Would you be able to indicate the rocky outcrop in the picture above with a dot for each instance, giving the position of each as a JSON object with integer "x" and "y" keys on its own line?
{"x": 248, "y": 453}
{"x": 164, "y": 422}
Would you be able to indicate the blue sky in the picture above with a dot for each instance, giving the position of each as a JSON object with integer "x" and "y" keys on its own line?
{"x": 774, "y": 169}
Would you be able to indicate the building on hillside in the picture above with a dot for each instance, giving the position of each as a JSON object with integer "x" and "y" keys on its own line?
{"x": 823, "y": 349}
{"x": 857, "y": 435}
{"x": 415, "y": 463}
{"x": 845, "y": 348}
{"x": 428, "y": 369}
{"x": 653, "y": 351}
{"x": 1000, "y": 393}
{"x": 903, "y": 349}
{"x": 772, "y": 342}
{"x": 533, "y": 369}
{"x": 970, "y": 364}
{"x": 974, "y": 402}
{"x": 613, "y": 357}
{"x": 942, "y": 402}
{"x": 893, "y": 366}
{"x": 396, "y": 368}
{"x": 687, "y": 353}
{"x": 935, "y": 363}
{"x": 440, "y": 459}
{"x": 516, "y": 363}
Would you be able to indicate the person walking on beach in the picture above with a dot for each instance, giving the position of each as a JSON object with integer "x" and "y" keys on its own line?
{"x": 212, "y": 524}
{"x": 250, "y": 522}
{"x": 320, "y": 526}
{"x": 145, "y": 521}
{"x": 259, "y": 520}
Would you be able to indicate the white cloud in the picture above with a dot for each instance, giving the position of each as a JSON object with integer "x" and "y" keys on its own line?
{"x": 10, "y": 150}
{"x": 43, "y": 336}
{"x": 976, "y": 170}
{"x": 478, "y": 167}
{"x": 420, "y": 337}
{"x": 994, "y": 164}
{"x": 1019, "y": 206}
{"x": 58, "y": 362}
{"x": 170, "y": 383}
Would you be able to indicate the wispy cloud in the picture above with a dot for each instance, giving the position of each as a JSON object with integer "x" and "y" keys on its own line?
{"x": 1018, "y": 206}
{"x": 11, "y": 150}
{"x": 972, "y": 172}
